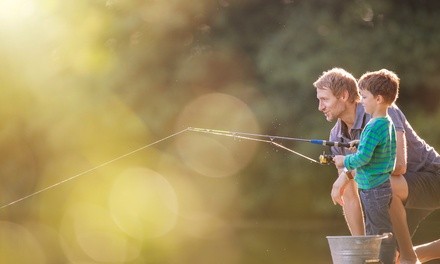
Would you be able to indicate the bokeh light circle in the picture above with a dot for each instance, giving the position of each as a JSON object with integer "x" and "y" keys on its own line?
{"x": 213, "y": 155}
{"x": 143, "y": 203}
{"x": 89, "y": 233}
{"x": 18, "y": 245}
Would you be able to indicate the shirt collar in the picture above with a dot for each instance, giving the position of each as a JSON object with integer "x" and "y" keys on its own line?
{"x": 360, "y": 120}
{"x": 361, "y": 117}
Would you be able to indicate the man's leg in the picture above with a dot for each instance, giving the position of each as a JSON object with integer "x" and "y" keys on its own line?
{"x": 353, "y": 210}
{"x": 428, "y": 251}
{"x": 422, "y": 199}
{"x": 401, "y": 231}
{"x": 399, "y": 220}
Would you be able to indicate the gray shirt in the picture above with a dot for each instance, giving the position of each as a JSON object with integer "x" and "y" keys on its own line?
{"x": 419, "y": 153}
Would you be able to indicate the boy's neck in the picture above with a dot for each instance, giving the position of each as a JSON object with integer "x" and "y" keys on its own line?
{"x": 381, "y": 111}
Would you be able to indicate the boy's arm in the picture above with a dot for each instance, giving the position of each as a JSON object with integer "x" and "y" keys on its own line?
{"x": 365, "y": 150}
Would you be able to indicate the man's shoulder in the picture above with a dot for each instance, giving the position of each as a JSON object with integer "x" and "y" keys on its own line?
{"x": 397, "y": 116}
{"x": 394, "y": 111}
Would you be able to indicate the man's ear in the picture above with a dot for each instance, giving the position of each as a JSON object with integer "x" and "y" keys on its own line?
{"x": 345, "y": 95}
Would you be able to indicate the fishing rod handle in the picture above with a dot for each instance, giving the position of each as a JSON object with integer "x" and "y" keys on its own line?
{"x": 333, "y": 143}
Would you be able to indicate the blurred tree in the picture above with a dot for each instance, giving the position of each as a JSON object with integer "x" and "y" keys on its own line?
{"x": 84, "y": 81}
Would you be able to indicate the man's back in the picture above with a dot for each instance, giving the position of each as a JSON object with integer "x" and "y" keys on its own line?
{"x": 419, "y": 153}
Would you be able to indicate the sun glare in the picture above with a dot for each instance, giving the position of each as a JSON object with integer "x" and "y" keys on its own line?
{"x": 13, "y": 12}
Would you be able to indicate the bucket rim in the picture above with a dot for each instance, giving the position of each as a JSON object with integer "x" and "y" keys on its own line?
{"x": 366, "y": 236}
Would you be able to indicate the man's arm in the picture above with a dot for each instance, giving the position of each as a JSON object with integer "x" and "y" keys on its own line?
{"x": 345, "y": 193}
{"x": 401, "y": 156}
{"x": 338, "y": 188}
{"x": 352, "y": 205}
{"x": 399, "y": 120}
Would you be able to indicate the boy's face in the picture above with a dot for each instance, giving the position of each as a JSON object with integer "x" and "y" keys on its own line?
{"x": 329, "y": 104}
{"x": 368, "y": 101}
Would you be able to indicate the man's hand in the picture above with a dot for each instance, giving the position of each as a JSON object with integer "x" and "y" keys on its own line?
{"x": 339, "y": 188}
{"x": 353, "y": 145}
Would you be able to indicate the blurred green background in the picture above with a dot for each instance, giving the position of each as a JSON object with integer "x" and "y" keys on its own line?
{"x": 86, "y": 81}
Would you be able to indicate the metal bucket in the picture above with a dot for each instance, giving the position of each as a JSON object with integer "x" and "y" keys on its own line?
{"x": 355, "y": 249}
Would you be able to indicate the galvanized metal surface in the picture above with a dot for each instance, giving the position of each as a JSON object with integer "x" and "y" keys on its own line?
{"x": 355, "y": 249}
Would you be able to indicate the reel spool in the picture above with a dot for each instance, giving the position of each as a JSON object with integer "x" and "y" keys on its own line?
{"x": 325, "y": 159}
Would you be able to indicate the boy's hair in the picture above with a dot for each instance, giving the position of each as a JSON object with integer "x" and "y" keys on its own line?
{"x": 338, "y": 80}
{"x": 382, "y": 82}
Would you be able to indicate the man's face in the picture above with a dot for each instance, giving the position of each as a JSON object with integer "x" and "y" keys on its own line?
{"x": 330, "y": 105}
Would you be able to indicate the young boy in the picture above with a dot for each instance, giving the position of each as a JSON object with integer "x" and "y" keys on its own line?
{"x": 375, "y": 158}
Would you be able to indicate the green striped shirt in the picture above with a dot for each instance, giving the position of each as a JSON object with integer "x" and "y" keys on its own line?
{"x": 376, "y": 156}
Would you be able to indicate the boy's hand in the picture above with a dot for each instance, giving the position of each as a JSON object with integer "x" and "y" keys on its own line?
{"x": 339, "y": 161}
{"x": 353, "y": 145}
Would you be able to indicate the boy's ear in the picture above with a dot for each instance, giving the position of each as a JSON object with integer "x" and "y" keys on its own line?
{"x": 380, "y": 99}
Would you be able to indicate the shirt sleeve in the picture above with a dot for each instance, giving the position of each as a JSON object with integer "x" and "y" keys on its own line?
{"x": 369, "y": 140}
{"x": 397, "y": 117}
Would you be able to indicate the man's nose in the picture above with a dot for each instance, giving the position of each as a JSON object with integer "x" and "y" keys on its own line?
{"x": 320, "y": 106}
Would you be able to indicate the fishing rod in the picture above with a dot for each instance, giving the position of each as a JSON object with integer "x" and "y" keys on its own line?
{"x": 245, "y": 136}
{"x": 237, "y": 134}
{"x": 323, "y": 158}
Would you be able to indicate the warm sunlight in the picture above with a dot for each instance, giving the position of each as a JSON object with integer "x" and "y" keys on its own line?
{"x": 179, "y": 131}
{"x": 13, "y": 12}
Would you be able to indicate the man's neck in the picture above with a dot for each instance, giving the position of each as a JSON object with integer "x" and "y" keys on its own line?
{"x": 349, "y": 116}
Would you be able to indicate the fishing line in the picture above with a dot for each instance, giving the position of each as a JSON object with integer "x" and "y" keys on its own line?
{"x": 90, "y": 170}
{"x": 297, "y": 153}
{"x": 240, "y": 135}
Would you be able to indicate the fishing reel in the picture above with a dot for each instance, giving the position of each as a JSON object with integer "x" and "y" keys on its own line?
{"x": 326, "y": 159}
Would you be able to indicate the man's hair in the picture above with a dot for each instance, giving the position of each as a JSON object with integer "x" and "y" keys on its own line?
{"x": 338, "y": 80}
{"x": 382, "y": 82}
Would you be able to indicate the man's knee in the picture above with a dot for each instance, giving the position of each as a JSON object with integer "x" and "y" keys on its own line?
{"x": 399, "y": 187}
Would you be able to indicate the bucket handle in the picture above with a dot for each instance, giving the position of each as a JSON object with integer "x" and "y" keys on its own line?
{"x": 386, "y": 236}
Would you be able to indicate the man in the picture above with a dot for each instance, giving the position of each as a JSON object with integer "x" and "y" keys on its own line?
{"x": 418, "y": 190}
